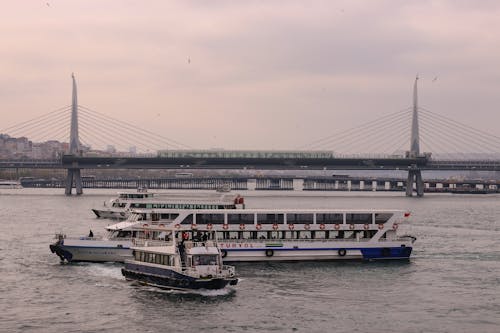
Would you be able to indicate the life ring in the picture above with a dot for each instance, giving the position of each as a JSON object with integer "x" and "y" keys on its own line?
{"x": 275, "y": 226}
{"x": 366, "y": 226}
{"x": 269, "y": 253}
{"x": 322, "y": 226}
{"x": 242, "y": 226}
{"x": 258, "y": 226}
{"x": 210, "y": 226}
{"x": 291, "y": 226}
{"x": 342, "y": 252}
{"x": 307, "y": 226}
{"x": 337, "y": 226}
{"x": 223, "y": 253}
{"x": 351, "y": 226}
{"x": 145, "y": 225}
{"x": 161, "y": 225}
{"x": 177, "y": 226}
{"x": 380, "y": 226}
{"x": 225, "y": 226}
{"x": 193, "y": 226}
{"x": 395, "y": 226}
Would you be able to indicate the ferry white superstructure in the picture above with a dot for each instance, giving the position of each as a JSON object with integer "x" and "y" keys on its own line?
{"x": 120, "y": 207}
{"x": 269, "y": 234}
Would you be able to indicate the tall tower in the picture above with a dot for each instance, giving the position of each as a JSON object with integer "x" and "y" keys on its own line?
{"x": 74, "y": 141}
{"x": 415, "y": 139}
{"x": 74, "y": 173}
{"x": 414, "y": 173}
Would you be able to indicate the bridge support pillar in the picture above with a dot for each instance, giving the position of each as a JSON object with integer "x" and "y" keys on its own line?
{"x": 414, "y": 177}
{"x": 74, "y": 176}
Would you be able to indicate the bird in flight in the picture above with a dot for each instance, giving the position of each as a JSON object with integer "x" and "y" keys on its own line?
{"x": 189, "y": 60}
{"x": 434, "y": 79}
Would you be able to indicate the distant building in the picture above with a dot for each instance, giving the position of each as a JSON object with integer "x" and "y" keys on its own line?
{"x": 111, "y": 149}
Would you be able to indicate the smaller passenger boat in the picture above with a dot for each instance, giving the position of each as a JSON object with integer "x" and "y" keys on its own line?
{"x": 179, "y": 264}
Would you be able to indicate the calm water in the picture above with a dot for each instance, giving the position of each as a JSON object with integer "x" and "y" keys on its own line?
{"x": 452, "y": 283}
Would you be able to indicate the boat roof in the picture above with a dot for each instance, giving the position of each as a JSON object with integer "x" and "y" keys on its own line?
{"x": 203, "y": 250}
{"x": 122, "y": 225}
{"x": 268, "y": 210}
{"x": 209, "y": 197}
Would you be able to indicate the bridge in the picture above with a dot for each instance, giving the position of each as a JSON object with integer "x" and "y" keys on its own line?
{"x": 484, "y": 147}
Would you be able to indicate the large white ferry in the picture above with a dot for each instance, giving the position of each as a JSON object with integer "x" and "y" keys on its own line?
{"x": 120, "y": 207}
{"x": 257, "y": 234}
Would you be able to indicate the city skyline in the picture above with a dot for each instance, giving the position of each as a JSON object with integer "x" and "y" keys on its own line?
{"x": 253, "y": 75}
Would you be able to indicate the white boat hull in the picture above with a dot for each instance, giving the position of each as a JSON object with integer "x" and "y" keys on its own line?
{"x": 119, "y": 214}
{"x": 93, "y": 250}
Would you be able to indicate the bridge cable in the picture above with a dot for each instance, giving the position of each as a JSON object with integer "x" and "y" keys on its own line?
{"x": 459, "y": 135}
{"x": 36, "y": 118}
{"x": 350, "y": 130}
{"x": 118, "y": 132}
{"x": 347, "y": 137}
{"x": 137, "y": 128}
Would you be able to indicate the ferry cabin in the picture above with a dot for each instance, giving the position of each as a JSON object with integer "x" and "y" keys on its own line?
{"x": 256, "y": 235}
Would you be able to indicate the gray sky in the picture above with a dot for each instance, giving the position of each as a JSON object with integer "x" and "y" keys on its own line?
{"x": 262, "y": 74}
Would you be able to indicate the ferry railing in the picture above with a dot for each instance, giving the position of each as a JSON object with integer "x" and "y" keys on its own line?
{"x": 308, "y": 240}
{"x": 150, "y": 242}
{"x": 207, "y": 243}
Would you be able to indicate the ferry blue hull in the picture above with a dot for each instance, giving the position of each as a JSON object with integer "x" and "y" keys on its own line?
{"x": 169, "y": 279}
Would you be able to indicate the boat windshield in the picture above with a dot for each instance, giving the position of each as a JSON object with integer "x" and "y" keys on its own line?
{"x": 205, "y": 259}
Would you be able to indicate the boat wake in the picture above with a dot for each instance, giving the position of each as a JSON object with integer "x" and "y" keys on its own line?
{"x": 227, "y": 291}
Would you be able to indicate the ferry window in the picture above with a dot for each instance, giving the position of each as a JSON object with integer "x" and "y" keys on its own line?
{"x": 299, "y": 218}
{"x": 358, "y": 218}
{"x": 188, "y": 219}
{"x": 381, "y": 218}
{"x": 240, "y": 218}
{"x": 204, "y": 260}
{"x": 305, "y": 234}
{"x": 246, "y": 235}
{"x": 137, "y": 255}
{"x": 158, "y": 259}
{"x": 155, "y": 217}
{"x": 209, "y": 218}
{"x": 233, "y": 235}
{"x": 329, "y": 219}
{"x": 274, "y": 235}
{"x": 270, "y": 218}
{"x": 319, "y": 234}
